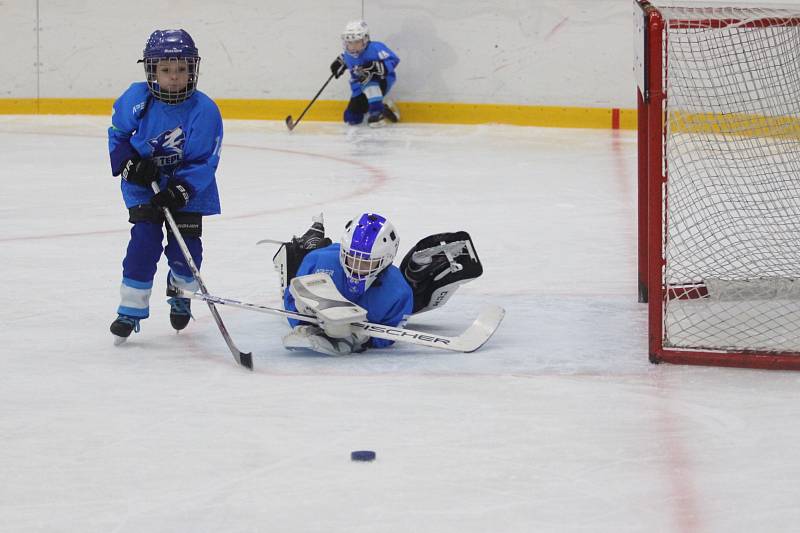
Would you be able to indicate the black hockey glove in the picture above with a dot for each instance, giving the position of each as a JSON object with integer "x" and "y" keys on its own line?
{"x": 173, "y": 197}
{"x": 369, "y": 71}
{"x": 140, "y": 171}
{"x": 338, "y": 67}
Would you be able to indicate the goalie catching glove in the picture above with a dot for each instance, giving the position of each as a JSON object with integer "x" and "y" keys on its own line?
{"x": 316, "y": 295}
{"x": 437, "y": 266}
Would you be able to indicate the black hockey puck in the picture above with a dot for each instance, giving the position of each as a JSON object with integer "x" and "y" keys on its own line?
{"x": 362, "y": 455}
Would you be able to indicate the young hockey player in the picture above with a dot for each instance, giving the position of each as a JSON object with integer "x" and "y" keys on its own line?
{"x": 355, "y": 281}
{"x": 372, "y": 73}
{"x": 164, "y": 130}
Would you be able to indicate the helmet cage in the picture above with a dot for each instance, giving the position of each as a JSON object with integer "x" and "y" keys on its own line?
{"x": 359, "y": 265}
{"x": 151, "y": 65}
{"x": 177, "y": 48}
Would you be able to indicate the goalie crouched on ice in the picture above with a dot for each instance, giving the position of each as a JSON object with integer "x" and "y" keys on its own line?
{"x": 355, "y": 281}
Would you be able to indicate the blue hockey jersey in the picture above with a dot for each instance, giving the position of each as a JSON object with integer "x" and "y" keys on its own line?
{"x": 375, "y": 51}
{"x": 388, "y": 301}
{"x": 184, "y": 140}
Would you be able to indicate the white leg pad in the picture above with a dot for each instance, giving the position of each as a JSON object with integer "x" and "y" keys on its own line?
{"x": 313, "y": 338}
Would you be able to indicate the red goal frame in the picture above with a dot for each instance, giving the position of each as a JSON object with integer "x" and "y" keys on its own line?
{"x": 653, "y": 182}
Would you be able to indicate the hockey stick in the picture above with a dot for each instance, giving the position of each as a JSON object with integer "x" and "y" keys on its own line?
{"x": 244, "y": 359}
{"x": 470, "y": 340}
{"x": 289, "y": 123}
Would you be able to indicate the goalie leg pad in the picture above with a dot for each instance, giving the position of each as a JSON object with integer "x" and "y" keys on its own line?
{"x": 317, "y": 295}
{"x": 313, "y": 338}
{"x": 289, "y": 256}
{"x": 286, "y": 262}
{"x": 437, "y": 266}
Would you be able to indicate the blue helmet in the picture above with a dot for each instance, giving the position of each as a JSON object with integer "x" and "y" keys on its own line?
{"x": 170, "y": 43}
{"x": 177, "y": 49}
{"x": 368, "y": 246}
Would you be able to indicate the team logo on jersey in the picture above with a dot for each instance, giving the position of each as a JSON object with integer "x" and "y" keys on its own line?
{"x": 383, "y": 54}
{"x": 168, "y": 147}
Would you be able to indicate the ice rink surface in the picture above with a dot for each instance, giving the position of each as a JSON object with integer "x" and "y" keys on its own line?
{"x": 559, "y": 423}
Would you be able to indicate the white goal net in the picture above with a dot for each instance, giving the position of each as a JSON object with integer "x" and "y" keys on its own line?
{"x": 732, "y": 161}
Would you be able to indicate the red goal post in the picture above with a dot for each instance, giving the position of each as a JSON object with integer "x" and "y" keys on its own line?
{"x": 719, "y": 182}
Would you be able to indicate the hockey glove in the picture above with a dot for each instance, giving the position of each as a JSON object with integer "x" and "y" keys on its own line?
{"x": 338, "y": 67}
{"x": 173, "y": 197}
{"x": 372, "y": 70}
{"x": 141, "y": 172}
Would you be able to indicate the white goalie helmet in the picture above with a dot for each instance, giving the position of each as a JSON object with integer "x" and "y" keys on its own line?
{"x": 369, "y": 245}
{"x": 355, "y": 37}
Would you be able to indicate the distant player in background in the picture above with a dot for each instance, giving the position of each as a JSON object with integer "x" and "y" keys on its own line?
{"x": 372, "y": 74}
{"x": 355, "y": 281}
{"x": 164, "y": 130}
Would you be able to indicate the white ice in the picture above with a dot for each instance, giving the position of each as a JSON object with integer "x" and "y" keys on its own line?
{"x": 559, "y": 423}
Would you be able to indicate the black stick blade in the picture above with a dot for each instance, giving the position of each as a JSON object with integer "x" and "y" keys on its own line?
{"x": 289, "y": 123}
{"x": 246, "y": 360}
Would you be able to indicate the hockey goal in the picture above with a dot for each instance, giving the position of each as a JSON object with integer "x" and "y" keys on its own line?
{"x": 719, "y": 182}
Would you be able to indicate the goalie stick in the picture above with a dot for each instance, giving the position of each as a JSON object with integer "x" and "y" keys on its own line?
{"x": 244, "y": 359}
{"x": 469, "y": 340}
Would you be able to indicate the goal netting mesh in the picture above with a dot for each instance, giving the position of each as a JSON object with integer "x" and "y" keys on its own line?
{"x": 732, "y": 161}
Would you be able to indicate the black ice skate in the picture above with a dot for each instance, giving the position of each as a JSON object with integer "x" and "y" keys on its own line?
{"x": 390, "y": 111}
{"x": 180, "y": 312}
{"x": 288, "y": 257}
{"x": 377, "y": 120}
{"x": 315, "y": 235}
{"x": 122, "y": 328}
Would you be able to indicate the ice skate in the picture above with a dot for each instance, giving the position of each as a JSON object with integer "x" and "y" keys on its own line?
{"x": 390, "y": 111}
{"x": 180, "y": 312}
{"x": 122, "y": 328}
{"x": 377, "y": 120}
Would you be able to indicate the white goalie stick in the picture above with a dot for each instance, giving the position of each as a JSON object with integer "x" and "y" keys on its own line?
{"x": 470, "y": 340}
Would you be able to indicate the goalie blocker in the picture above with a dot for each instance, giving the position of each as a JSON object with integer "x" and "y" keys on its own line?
{"x": 434, "y": 268}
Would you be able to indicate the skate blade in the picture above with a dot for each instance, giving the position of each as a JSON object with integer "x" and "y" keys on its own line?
{"x": 118, "y": 340}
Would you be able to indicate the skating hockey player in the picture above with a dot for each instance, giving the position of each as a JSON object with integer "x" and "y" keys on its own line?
{"x": 355, "y": 280}
{"x": 372, "y": 74}
{"x": 167, "y": 131}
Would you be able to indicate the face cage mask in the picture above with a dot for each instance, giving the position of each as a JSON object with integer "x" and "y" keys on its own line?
{"x": 360, "y": 269}
{"x": 169, "y": 97}
{"x": 364, "y": 43}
